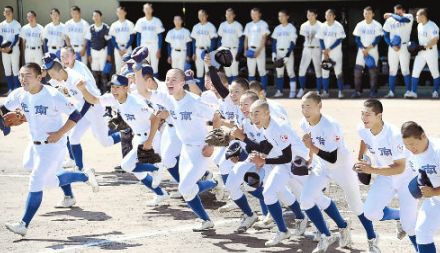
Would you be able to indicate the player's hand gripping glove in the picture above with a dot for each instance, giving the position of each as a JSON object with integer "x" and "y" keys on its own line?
{"x": 218, "y": 137}
{"x": 147, "y": 156}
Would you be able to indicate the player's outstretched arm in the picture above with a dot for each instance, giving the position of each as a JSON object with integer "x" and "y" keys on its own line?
{"x": 86, "y": 94}
{"x": 74, "y": 117}
{"x": 394, "y": 169}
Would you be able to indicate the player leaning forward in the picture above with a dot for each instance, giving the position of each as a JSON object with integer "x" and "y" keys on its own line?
{"x": 43, "y": 107}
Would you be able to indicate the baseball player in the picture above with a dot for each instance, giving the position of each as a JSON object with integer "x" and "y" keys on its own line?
{"x": 256, "y": 33}
{"x": 283, "y": 42}
{"x": 178, "y": 44}
{"x": 204, "y": 37}
{"x": 230, "y": 33}
{"x": 331, "y": 161}
{"x": 428, "y": 37}
{"x": 54, "y": 34}
{"x": 122, "y": 34}
{"x": 397, "y": 33}
{"x": 424, "y": 158}
{"x": 78, "y": 31}
{"x": 43, "y": 107}
{"x": 99, "y": 50}
{"x": 382, "y": 143}
{"x": 367, "y": 35}
{"x": 149, "y": 32}
{"x": 9, "y": 32}
{"x": 311, "y": 51}
{"x": 330, "y": 38}
{"x": 31, "y": 35}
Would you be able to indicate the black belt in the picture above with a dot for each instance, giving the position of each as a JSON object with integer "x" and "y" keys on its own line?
{"x": 282, "y": 49}
{"x": 40, "y": 143}
{"x": 254, "y": 47}
{"x": 33, "y": 48}
{"x": 98, "y": 49}
{"x": 122, "y": 45}
{"x": 76, "y": 45}
{"x": 312, "y": 47}
{"x": 54, "y": 47}
{"x": 170, "y": 125}
{"x": 178, "y": 50}
{"x": 231, "y": 48}
{"x": 203, "y": 48}
{"x": 144, "y": 134}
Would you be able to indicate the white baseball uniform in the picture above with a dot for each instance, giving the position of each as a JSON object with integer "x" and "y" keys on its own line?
{"x": 254, "y": 32}
{"x": 78, "y": 33}
{"x": 367, "y": 33}
{"x": 284, "y": 35}
{"x": 121, "y": 31}
{"x": 231, "y": 34}
{"x": 33, "y": 40}
{"x": 11, "y": 61}
{"x": 202, "y": 34}
{"x": 383, "y": 149}
{"x": 178, "y": 39}
{"x": 329, "y": 34}
{"x": 402, "y": 29}
{"x": 427, "y": 32}
{"x": 55, "y": 36}
{"x": 149, "y": 31}
{"x": 311, "y": 49}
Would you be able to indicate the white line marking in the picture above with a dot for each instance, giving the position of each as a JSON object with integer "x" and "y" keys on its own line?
{"x": 99, "y": 179}
{"x": 13, "y": 175}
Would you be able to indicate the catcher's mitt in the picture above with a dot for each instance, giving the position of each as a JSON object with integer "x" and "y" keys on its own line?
{"x": 218, "y": 137}
{"x": 117, "y": 123}
{"x": 14, "y": 118}
{"x": 147, "y": 156}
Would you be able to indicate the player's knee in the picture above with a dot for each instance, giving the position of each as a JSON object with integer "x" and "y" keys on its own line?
{"x": 371, "y": 213}
{"x": 424, "y": 236}
{"x": 169, "y": 162}
{"x": 306, "y": 201}
{"x": 188, "y": 192}
{"x": 409, "y": 227}
{"x": 139, "y": 175}
{"x": 270, "y": 197}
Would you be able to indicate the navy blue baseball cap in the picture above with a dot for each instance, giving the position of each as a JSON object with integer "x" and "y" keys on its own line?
{"x": 147, "y": 70}
{"x": 48, "y": 60}
{"x": 119, "y": 80}
{"x": 127, "y": 72}
{"x": 126, "y": 57}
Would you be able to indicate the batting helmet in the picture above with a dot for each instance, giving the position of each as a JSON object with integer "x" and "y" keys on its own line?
{"x": 369, "y": 61}
{"x": 328, "y": 64}
{"x": 299, "y": 166}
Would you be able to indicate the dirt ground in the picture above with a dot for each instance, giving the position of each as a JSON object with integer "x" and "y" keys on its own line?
{"x": 117, "y": 219}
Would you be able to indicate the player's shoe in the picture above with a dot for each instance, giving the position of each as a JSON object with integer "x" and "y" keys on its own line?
{"x": 208, "y": 175}
{"x": 389, "y": 95}
{"x": 325, "y": 94}
{"x": 278, "y": 94}
{"x": 206, "y": 225}
{"x": 118, "y": 169}
{"x": 345, "y": 236}
{"x": 324, "y": 243}
{"x": 292, "y": 94}
{"x": 92, "y": 179}
{"x": 265, "y": 223}
{"x": 66, "y": 202}
{"x": 158, "y": 199}
{"x": 400, "y": 233}
{"x": 435, "y": 94}
{"x": 175, "y": 195}
{"x": 278, "y": 238}
{"x": 301, "y": 225}
{"x": 219, "y": 192}
{"x": 229, "y": 206}
{"x": 316, "y": 236}
{"x": 356, "y": 94}
{"x": 373, "y": 245}
{"x": 340, "y": 94}
{"x": 406, "y": 94}
{"x": 69, "y": 163}
{"x": 410, "y": 94}
{"x": 300, "y": 93}
{"x": 157, "y": 175}
{"x": 246, "y": 223}
{"x": 17, "y": 227}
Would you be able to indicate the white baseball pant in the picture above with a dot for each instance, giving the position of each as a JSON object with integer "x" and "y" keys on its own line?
{"x": 152, "y": 57}
{"x": 33, "y": 55}
{"x": 360, "y": 56}
{"x": 118, "y": 59}
{"x": 178, "y": 58}
{"x": 430, "y": 57}
{"x": 289, "y": 66}
{"x": 11, "y": 62}
{"x": 170, "y": 146}
{"x": 310, "y": 55}
{"x": 336, "y": 56}
{"x": 428, "y": 221}
{"x": 99, "y": 58}
{"x": 233, "y": 69}
{"x": 402, "y": 56}
{"x": 258, "y": 62}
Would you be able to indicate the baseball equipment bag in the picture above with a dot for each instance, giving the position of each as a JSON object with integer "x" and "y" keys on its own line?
{"x": 218, "y": 137}
{"x": 147, "y": 156}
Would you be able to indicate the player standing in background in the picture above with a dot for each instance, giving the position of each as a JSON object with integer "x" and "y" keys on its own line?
{"x": 54, "y": 34}
{"x": 122, "y": 34}
{"x": 204, "y": 37}
{"x": 425, "y": 158}
{"x": 78, "y": 31}
{"x": 283, "y": 42}
{"x": 31, "y": 35}
{"x": 397, "y": 33}
{"x": 311, "y": 51}
{"x": 9, "y": 32}
{"x": 256, "y": 33}
{"x": 428, "y": 37}
{"x": 367, "y": 34}
{"x": 330, "y": 38}
{"x": 178, "y": 45}
{"x": 149, "y": 32}
{"x": 230, "y": 34}
{"x": 99, "y": 50}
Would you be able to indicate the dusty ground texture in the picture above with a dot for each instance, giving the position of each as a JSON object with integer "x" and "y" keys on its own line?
{"x": 116, "y": 218}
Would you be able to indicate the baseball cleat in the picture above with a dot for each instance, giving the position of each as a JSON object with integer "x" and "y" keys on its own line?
{"x": 400, "y": 233}
{"x": 345, "y": 237}
{"x": 373, "y": 245}
{"x": 265, "y": 223}
{"x": 68, "y": 163}
{"x": 118, "y": 169}
{"x": 300, "y": 93}
{"x": 435, "y": 94}
{"x": 301, "y": 225}
{"x": 229, "y": 206}
{"x": 356, "y": 94}
{"x": 247, "y": 222}
{"x": 158, "y": 199}
{"x": 389, "y": 95}
{"x": 324, "y": 94}
{"x": 292, "y": 94}
{"x": 206, "y": 225}
{"x": 324, "y": 243}
{"x": 175, "y": 195}
{"x": 67, "y": 202}
{"x": 92, "y": 179}
{"x": 17, "y": 228}
{"x": 278, "y": 238}
{"x": 340, "y": 94}
{"x": 278, "y": 94}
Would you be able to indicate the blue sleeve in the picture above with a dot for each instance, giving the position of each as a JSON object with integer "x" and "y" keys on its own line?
{"x": 240, "y": 45}
{"x": 358, "y": 42}
{"x": 110, "y": 48}
{"x": 169, "y": 49}
{"x": 290, "y": 50}
{"x": 386, "y": 37}
{"x": 274, "y": 46}
{"x": 88, "y": 47}
{"x": 1, "y": 39}
{"x": 85, "y": 108}
{"x": 219, "y": 44}
{"x": 159, "y": 41}
{"x": 138, "y": 39}
{"x": 337, "y": 43}
{"x": 321, "y": 44}
{"x": 75, "y": 116}
{"x": 45, "y": 48}
{"x": 400, "y": 18}
{"x": 130, "y": 40}
{"x": 194, "y": 46}
{"x": 188, "y": 49}
{"x": 15, "y": 40}
{"x": 376, "y": 41}
{"x": 212, "y": 46}
{"x": 114, "y": 42}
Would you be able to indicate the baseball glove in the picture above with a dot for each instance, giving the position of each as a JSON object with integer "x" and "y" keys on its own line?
{"x": 147, "y": 156}
{"x": 117, "y": 123}
{"x": 299, "y": 166}
{"x": 279, "y": 63}
{"x": 14, "y": 118}
{"x": 414, "y": 48}
{"x": 328, "y": 64}
{"x": 218, "y": 137}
